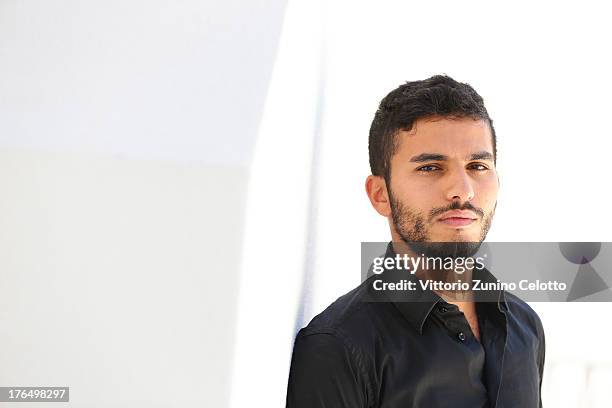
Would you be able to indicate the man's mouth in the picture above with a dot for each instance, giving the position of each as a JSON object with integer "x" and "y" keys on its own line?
{"x": 458, "y": 218}
{"x": 457, "y": 221}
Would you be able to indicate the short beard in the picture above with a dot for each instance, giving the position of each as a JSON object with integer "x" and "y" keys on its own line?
{"x": 410, "y": 225}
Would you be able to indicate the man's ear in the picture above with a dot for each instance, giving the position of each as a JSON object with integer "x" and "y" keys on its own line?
{"x": 376, "y": 188}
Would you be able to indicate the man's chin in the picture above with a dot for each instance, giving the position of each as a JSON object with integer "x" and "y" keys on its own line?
{"x": 455, "y": 235}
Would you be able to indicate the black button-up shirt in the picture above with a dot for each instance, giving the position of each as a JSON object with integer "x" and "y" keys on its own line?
{"x": 363, "y": 354}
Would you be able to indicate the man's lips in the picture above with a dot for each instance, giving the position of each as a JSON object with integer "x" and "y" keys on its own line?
{"x": 458, "y": 218}
{"x": 457, "y": 221}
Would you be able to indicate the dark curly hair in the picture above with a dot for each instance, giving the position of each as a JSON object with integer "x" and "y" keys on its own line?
{"x": 439, "y": 95}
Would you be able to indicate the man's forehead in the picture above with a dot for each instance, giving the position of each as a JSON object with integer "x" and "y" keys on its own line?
{"x": 450, "y": 136}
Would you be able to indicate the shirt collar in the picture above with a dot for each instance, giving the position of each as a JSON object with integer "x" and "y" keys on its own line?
{"x": 416, "y": 305}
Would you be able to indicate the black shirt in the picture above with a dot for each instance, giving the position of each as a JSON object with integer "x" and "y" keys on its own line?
{"x": 359, "y": 354}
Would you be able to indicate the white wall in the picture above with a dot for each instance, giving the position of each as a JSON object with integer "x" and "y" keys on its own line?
{"x": 126, "y": 132}
{"x": 181, "y": 80}
{"x": 119, "y": 277}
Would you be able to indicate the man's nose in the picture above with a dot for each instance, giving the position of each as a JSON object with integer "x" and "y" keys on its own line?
{"x": 460, "y": 186}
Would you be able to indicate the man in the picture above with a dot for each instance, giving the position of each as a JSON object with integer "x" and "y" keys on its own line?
{"x": 432, "y": 155}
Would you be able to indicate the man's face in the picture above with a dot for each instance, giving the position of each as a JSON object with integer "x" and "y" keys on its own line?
{"x": 443, "y": 165}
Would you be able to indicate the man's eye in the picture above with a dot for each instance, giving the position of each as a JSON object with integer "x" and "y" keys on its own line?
{"x": 428, "y": 169}
{"x": 479, "y": 167}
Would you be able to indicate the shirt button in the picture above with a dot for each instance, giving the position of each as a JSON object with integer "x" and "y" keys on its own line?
{"x": 443, "y": 309}
{"x": 461, "y": 336}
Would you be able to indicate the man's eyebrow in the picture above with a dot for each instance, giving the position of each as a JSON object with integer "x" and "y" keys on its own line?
{"x": 424, "y": 157}
{"x": 483, "y": 155}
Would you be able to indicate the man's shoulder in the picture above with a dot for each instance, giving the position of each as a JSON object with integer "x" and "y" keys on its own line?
{"x": 332, "y": 356}
{"x": 350, "y": 317}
